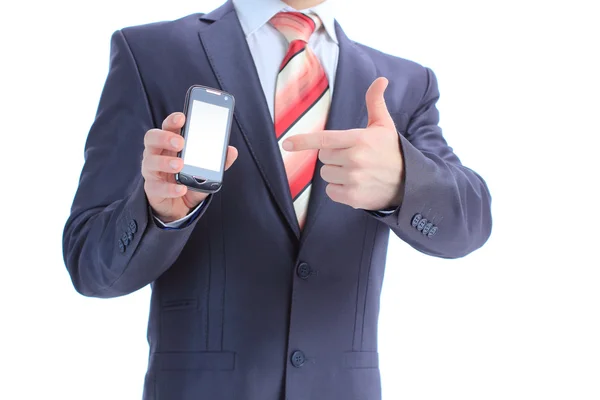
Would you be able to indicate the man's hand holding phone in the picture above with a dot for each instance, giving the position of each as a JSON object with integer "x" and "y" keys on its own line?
{"x": 169, "y": 200}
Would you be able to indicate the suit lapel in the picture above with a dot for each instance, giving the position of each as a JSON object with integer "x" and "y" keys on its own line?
{"x": 227, "y": 50}
{"x": 355, "y": 73}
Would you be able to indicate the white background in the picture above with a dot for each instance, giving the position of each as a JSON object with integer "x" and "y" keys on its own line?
{"x": 519, "y": 319}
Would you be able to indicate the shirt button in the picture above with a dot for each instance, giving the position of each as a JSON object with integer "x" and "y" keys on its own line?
{"x": 303, "y": 271}
{"x": 298, "y": 359}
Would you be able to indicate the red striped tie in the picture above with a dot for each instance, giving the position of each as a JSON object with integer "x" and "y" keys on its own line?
{"x": 302, "y": 102}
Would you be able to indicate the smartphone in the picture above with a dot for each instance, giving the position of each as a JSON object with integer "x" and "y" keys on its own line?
{"x": 209, "y": 114}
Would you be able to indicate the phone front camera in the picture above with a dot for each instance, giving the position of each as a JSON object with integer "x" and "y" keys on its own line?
{"x": 226, "y": 98}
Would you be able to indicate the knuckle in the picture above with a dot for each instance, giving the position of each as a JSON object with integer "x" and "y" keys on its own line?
{"x": 324, "y": 172}
{"x": 150, "y": 188}
{"x": 362, "y": 139}
{"x": 321, "y": 155}
{"x": 147, "y": 165}
{"x": 355, "y": 158}
{"x": 152, "y": 137}
{"x": 354, "y": 176}
{"x": 148, "y": 176}
{"x": 323, "y": 141}
{"x": 157, "y": 188}
{"x": 353, "y": 196}
{"x": 332, "y": 193}
{"x": 164, "y": 189}
{"x": 151, "y": 133}
{"x": 164, "y": 163}
{"x": 150, "y": 162}
{"x": 325, "y": 155}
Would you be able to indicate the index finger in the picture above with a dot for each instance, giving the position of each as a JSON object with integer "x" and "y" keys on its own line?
{"x": 156, "y": 140}
{"x": 173, "y": 122}
{"x": 321, "y": 140}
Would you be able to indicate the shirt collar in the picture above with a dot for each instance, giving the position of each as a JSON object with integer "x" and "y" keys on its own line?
{"x": 253, "y": 16}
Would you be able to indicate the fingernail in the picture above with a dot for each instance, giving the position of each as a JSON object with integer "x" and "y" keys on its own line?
{"x": 288, "y": 146}
{"x": 175, "y": 142}
{"x": 179, "y": 188}
{"x": 174, "y": 164}
{"x": 175, "y": 118}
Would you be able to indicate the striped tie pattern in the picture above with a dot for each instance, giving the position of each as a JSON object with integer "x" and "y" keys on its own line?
{"x": 302, "y": 101}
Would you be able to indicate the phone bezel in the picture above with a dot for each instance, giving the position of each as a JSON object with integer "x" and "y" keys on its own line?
{"x": 208, "y": 178}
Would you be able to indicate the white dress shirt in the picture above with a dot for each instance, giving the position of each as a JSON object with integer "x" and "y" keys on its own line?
{"x": 269, "y": 47}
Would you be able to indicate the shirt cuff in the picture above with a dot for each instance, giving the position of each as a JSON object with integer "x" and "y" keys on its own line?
{"x": 384, "y": 212}
{"x": 180, "y": 223}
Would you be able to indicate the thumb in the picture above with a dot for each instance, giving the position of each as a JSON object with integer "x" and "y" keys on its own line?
{"x": 376, "y": 107}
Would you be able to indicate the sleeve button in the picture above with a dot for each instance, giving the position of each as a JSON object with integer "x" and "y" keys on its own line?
{"x": 133, "y": 227}
{"x": 427, "y": 228}
{"x": 416, "y": 219}
{"x": 432, "y": 231}
{"x": 122, "y": 246}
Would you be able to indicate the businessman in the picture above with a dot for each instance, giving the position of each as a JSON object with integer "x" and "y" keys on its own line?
{"x": 270, "y": 288}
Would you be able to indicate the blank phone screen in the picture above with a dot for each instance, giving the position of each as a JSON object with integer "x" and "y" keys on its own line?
{"x": 205, "y": 136}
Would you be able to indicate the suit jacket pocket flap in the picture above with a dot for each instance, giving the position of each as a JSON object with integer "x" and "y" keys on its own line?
{"x": 204, "y": 360}
{"x": 361, "y": 359}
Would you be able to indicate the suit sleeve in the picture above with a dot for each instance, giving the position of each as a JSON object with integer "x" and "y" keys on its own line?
{"x": 111, "y": 245}
{"x": 446, "y": 208}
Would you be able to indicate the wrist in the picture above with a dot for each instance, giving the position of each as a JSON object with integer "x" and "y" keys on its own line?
{"x": 398, "y": 197}
{"x": 170, "y": 217}
{"x": 193, "y": 201}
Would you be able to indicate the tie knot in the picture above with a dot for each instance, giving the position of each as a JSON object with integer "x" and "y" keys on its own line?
{"x": 296, "y": 25}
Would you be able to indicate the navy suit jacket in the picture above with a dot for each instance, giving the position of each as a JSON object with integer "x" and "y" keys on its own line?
{"x": 244, "y": 305}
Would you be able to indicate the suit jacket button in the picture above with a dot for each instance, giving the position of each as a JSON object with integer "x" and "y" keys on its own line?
{"x": 422, "y": 224}
{"x": 133, "y": 227}
{"x": 303, "y": 270}
{"x": 125, "y": 239}
{"x": 427, "y": 228}
{"x": 432, "y": 231}
{"x": 298, "y": 359}
{"x": 415, "y": 220}
{"x": 122, "y": 246}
